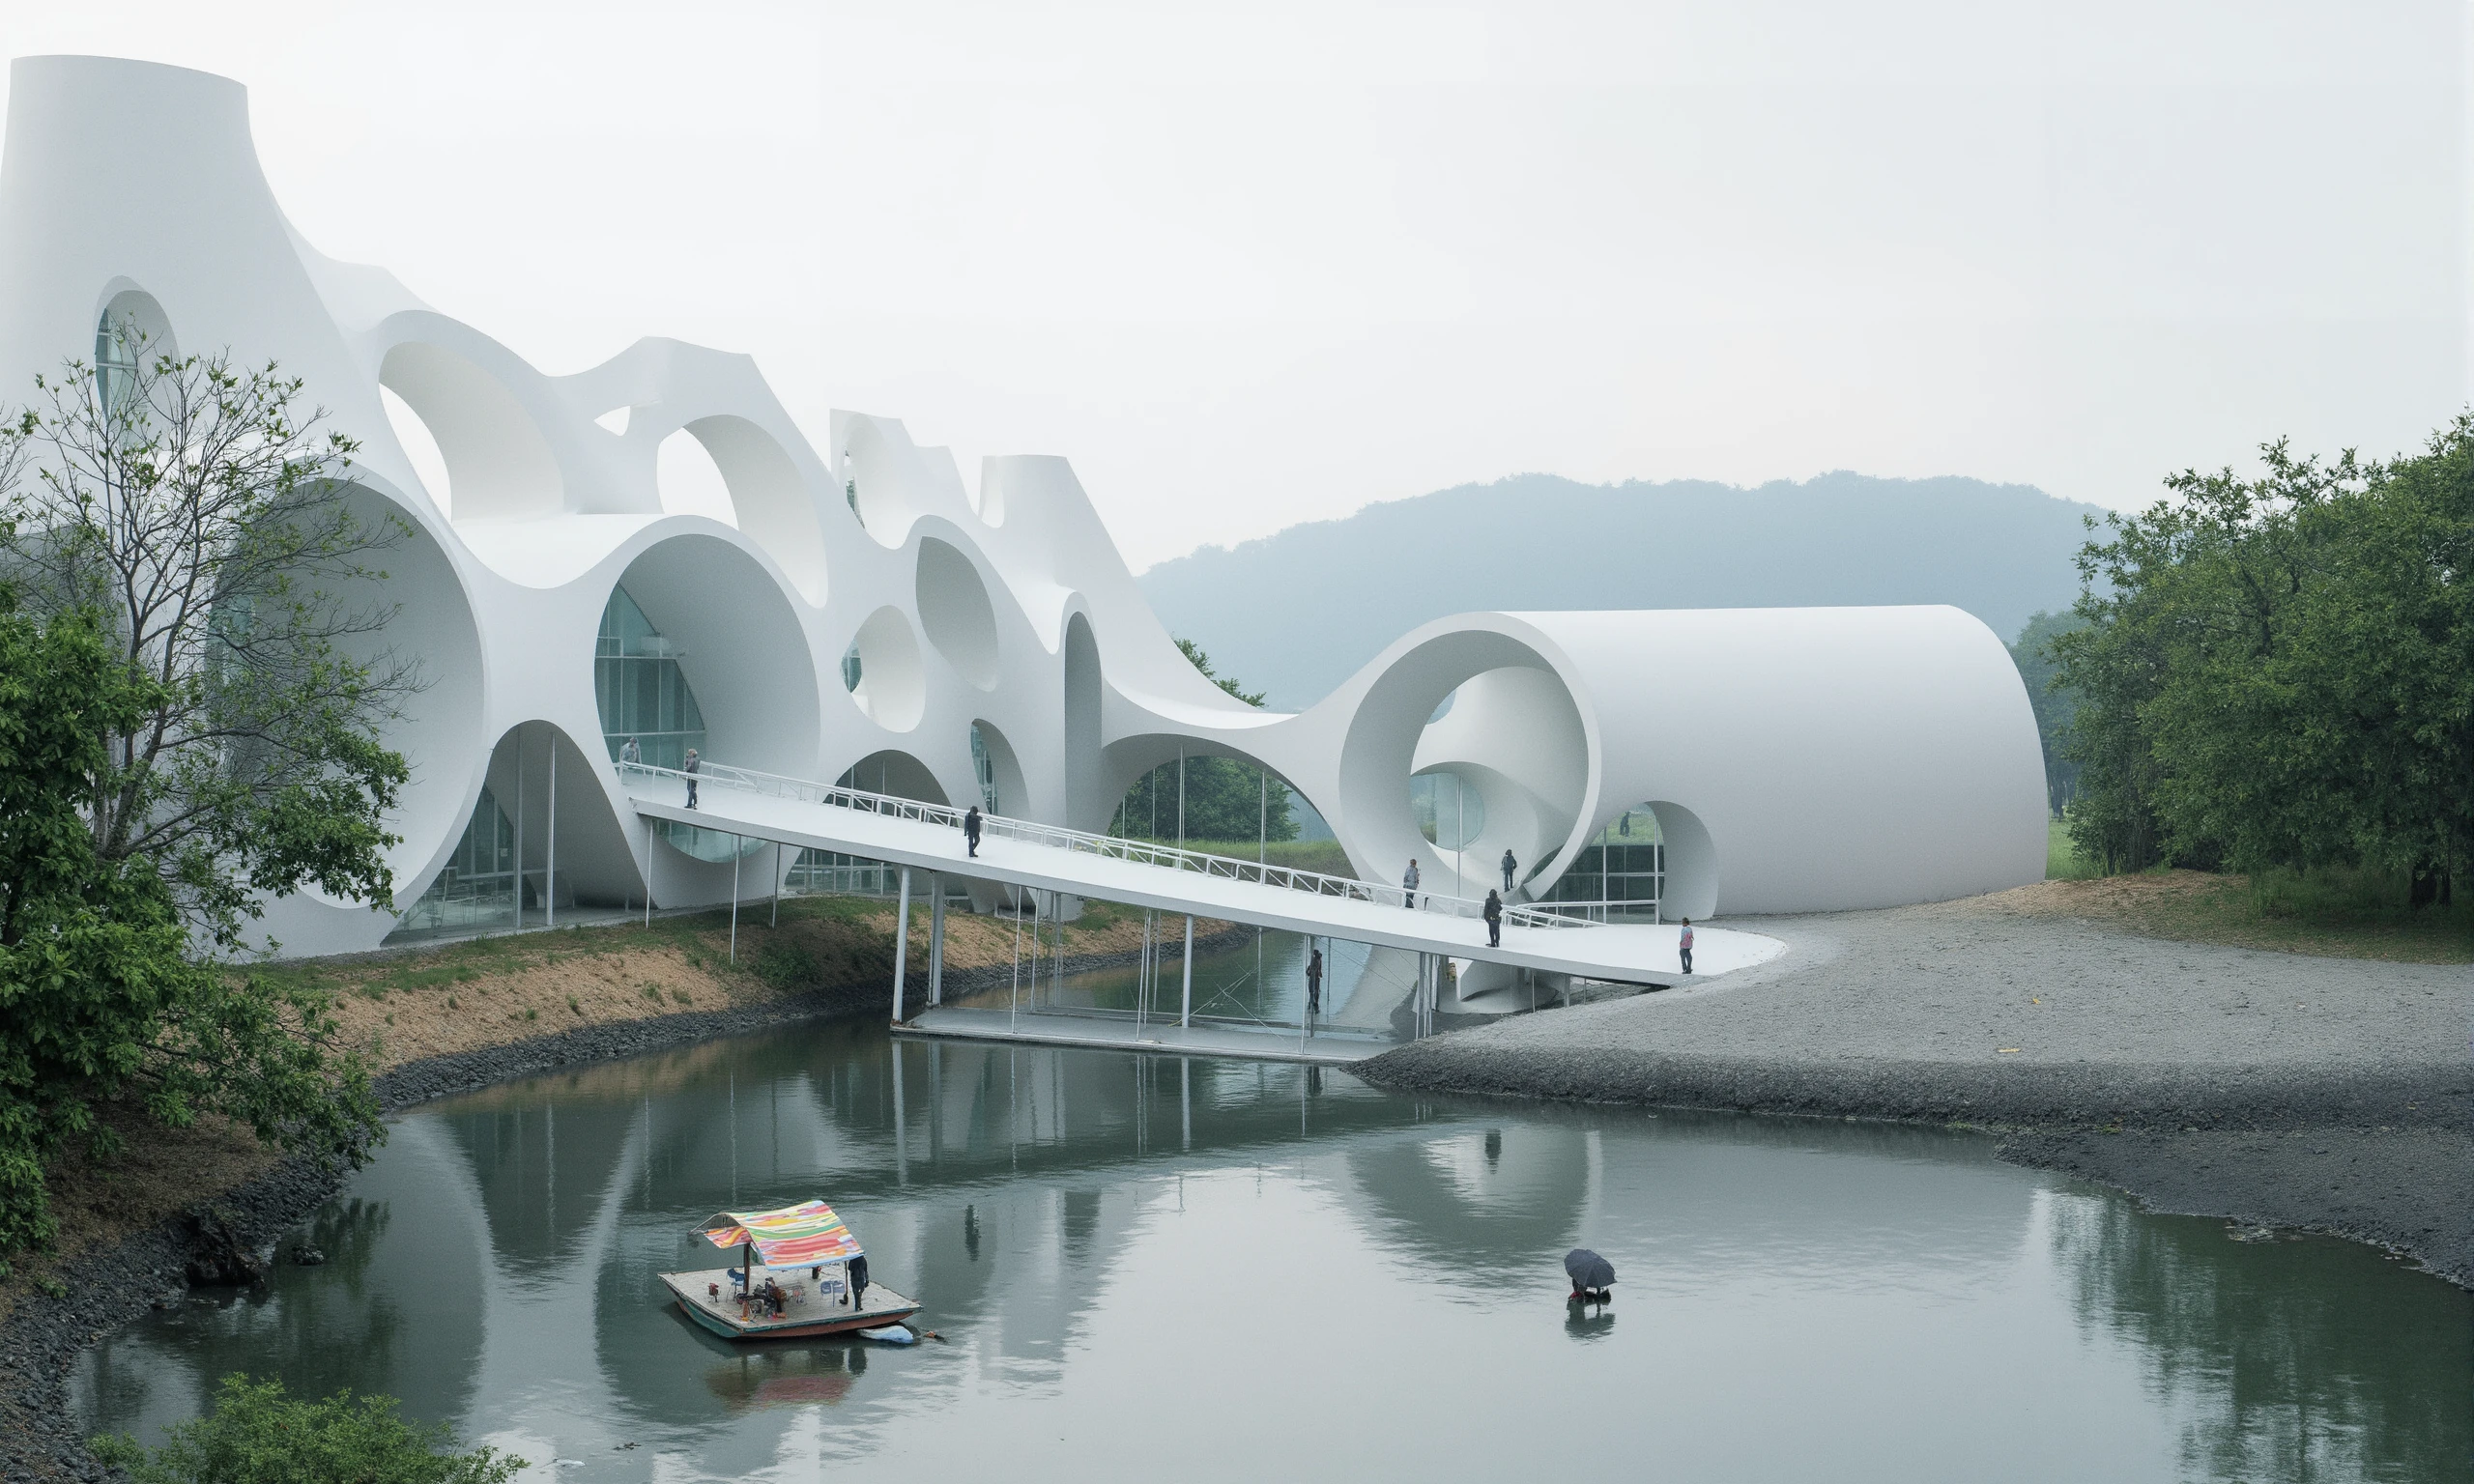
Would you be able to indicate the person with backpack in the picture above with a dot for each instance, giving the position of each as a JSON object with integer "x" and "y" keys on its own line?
{"x": 1509, "y": 866}
{"x": 970, "y": 831}
{"x": 1494, "y": 920}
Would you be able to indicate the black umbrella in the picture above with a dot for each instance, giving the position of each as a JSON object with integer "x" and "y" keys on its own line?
{"x": 1588, "y": 1270}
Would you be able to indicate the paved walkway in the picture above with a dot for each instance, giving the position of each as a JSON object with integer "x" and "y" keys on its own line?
{"x": 1628, "y": 953}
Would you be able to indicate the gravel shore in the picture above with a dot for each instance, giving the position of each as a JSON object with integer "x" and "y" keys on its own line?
{"x": 2334, "y": 1095}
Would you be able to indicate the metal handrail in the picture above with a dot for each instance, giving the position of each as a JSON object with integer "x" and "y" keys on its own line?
{"x": 1108, "y": 847}
{"x": 1602, "y": 907}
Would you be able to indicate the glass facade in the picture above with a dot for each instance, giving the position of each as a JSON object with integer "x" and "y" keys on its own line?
{"x": 1450, "y": 813}
{"x": 1620, "y": 874}
{"x": 642, "y": 690}
{"x": 115, "y": 361}
{"x": 475, "y": 889}
{"x": 985, "y": 769}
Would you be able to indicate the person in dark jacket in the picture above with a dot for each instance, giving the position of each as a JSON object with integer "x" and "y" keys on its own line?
{"x": 858, "y": 1282}
{"x": 691, "y": 767}
{"x": 1494, "y": 920}
{"x": 971, "y": 830}
{"x": 1409, "y": 886}
{"x": 1313, "y": 986}
{"x": 1509, "y": 866}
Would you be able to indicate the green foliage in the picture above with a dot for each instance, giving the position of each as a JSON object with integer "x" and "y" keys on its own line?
{"x": 2279, "y": 672}
{"x": 100, "y": 995}
{"x": 1226, "y": 798}
{"x": 257, "y": 1434}
{"x": 207, "y": 527}
{"x": 788, "y": 966}
{"x": 2055, "y": 704}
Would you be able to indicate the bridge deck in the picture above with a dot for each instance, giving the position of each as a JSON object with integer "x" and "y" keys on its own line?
{"x": 1632, "y": 953}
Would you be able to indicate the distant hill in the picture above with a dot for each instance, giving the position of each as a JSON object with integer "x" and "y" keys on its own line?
{"x": 1297, "y": 612}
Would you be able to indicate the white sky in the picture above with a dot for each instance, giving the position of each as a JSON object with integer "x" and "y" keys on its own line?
{"x": 1248, "y": 264}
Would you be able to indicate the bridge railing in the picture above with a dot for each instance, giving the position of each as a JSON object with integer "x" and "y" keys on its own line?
{"x": 1083, "y": 842}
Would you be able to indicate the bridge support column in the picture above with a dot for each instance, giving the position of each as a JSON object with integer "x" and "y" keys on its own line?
{"x": 738, "y": 853}
{"x": 1185, "y": 1015}
{"x": 901, "y": 942}
{"x": 936, "y": 938}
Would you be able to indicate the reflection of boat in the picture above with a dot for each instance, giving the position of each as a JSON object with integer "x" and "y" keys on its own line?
{"x": 739, "y": 1304}
{"x": 787, "y": 1375}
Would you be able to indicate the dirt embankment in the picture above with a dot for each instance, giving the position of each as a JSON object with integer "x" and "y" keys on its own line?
{"x": 429, "y": 1021}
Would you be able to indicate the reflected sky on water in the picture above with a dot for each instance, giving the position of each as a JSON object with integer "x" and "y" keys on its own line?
{"x": 1236, "y": 1269}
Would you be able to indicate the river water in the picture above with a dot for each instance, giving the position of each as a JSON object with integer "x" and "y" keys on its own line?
{"x": 1238, "y": 1270}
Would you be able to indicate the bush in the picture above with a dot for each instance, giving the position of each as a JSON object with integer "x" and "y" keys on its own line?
{"x": 257, "y": 1434}
{"x": 788, "y": 966}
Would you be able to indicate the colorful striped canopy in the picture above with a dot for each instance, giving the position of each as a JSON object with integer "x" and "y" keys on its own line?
{"x": 794, "y": 1237}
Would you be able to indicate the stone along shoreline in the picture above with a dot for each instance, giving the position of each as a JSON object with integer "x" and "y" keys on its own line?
{"x": 2270, "y": 1089}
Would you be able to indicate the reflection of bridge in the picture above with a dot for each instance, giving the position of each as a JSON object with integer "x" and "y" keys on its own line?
{"x": 1025, "y": 857}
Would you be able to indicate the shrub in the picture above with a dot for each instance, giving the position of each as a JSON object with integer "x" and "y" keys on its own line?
{"x": 257, "y": 1434}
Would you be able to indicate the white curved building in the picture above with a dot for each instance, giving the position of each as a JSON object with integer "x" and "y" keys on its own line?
{"x": 865, "y": 614}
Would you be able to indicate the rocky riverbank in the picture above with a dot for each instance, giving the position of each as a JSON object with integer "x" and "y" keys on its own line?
{"x": 209, "y": 1206}
{"x": 2329, "y": 1095}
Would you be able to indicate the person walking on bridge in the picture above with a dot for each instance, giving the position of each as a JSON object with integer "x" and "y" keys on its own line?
{"x": 970, "y": 831}
{"x": 1683, "y": 945}
{"x": 1313, "y": 989}
{"x": 1509, "y": 866}
{"x": 1409, "y": 886}
{"x": 691, "y": 767}
{"x": 1494, "y": 920}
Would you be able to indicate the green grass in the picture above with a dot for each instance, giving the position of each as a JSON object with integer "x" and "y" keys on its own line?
{"x": 2063, "y": 860}
{"x": 1320, "y": 855}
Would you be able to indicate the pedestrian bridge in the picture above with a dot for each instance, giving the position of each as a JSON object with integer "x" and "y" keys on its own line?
{"x": 1050, "y": 861}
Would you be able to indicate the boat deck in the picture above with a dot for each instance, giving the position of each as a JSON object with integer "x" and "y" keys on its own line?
{"x": 813, "y": 1309}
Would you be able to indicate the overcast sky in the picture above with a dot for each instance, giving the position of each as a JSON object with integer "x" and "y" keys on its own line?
{"x": 1248, "y": 264}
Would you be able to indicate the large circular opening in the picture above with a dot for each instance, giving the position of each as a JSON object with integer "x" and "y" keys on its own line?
{"x": 498, "y": 463}
{"x": 955, "y": 611}
{"x": 767, "y": 497}
{"x": 1503, "y": 768}
{"x": 697, "y": 642}
{"x": 883, "y": 673}
{"x": 428, "y": 628}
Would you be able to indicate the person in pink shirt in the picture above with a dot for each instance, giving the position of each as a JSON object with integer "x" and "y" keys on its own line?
{"x": 1683, "y": 945}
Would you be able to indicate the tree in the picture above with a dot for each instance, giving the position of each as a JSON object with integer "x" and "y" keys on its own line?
{"x": 258, "y": 1435}
{"x": 182, "y": 735}
{"x": 2053, "y": 705}
{"x": 1226, "y": 798}
{"x": 2280, "y": 671}
{"x": 209, "y": 528}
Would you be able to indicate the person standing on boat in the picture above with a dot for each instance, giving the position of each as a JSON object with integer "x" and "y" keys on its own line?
{"x": 1494, "y": 919}
{"x": 970, "y": 831}
{"x": 1409, "y": 886}
{"x": 858, "y": 1283}
{"x": 691, "y": 767}
{"x": 1683, "y": 945}
{"x": 1313, "y": 986}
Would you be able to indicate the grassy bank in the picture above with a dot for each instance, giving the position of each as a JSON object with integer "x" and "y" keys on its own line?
{"x": 2332, "y": 913}
{"x": 402, "y": 1006}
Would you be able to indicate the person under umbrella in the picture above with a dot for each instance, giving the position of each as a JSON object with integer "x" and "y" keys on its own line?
{"x": 1591, "y": 1274}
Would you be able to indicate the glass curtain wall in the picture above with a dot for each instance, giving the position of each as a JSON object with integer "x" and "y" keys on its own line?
{"x": 643, "y": 693}
{"x": 475, "y": 889}
{"x": 1621, "y": 874}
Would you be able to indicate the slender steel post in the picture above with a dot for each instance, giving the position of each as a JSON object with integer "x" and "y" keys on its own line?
{"x": 1186, "y": 1016}
{"x": 738, "y": 853}
{"x": 777, "y": 884}
{"x": 1013, "y": 1001}
{"x": 936, "y": 938}
{"x": 519, "y": 828}
{"x": 648, "y": 872}
{"x": 1263, "y": 812}
{"x": 550, "y": 870}
{"x": 900, "y": 948}
{"x": 1181, "y": 796}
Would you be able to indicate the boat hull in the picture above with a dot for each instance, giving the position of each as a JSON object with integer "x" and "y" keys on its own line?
{"x": 807, "y": 1318}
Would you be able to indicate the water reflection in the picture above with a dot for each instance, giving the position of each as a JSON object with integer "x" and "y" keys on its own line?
{"x": 1231, "y": 1240}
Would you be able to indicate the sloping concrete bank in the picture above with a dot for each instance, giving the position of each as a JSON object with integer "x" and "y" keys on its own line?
{"x": 43, "y": 1336}
{"x": 2335, "y": 1095}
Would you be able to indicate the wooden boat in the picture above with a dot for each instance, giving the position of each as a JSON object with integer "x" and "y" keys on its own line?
{"x": 807, "y": 1251}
